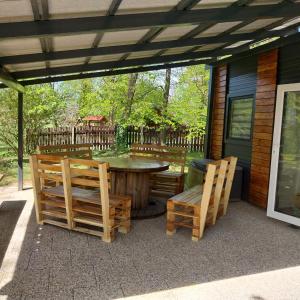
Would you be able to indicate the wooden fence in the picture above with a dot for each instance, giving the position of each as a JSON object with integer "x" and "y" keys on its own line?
{"x": 179, "y": 137}
{"x": 104, "y": 137}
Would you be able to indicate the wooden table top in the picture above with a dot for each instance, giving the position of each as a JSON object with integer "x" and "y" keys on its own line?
{"x": 135, "y": 164}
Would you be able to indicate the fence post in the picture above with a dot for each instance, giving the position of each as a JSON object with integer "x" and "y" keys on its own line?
{"x": 73, "y": 135}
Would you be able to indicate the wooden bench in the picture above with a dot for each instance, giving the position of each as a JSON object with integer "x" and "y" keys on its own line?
{"x": 68, "y": 150}
{"x": 197, "y": 206}
{"x": 81, "y": 201}
{"x": 48, "y": 208}
{"x": 166, "y": 183}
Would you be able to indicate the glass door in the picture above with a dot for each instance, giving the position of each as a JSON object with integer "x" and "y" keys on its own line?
{"x": 284, "y": 189}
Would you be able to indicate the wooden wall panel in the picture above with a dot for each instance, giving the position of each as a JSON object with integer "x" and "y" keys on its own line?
{"x": 263, "y": 127}
{"x": 219, "y": 100}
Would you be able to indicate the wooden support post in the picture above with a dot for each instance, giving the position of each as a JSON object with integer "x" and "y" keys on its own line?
{"x": 20, "y": 141}
{"x": 170, "y": 218}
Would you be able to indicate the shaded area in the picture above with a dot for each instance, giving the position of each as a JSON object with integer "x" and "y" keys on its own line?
{"x": 59, "y": 264}
{"x": 9, "y": 215}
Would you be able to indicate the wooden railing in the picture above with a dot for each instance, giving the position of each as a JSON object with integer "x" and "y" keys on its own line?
{"x": 104, "y": 137}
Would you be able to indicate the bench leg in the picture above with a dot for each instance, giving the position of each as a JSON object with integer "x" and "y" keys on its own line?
{"x": 170, "y": 218}
{"x": 196, "y": 224}
{"x": 108, "y": 231}
{"x": 125, "y": 223}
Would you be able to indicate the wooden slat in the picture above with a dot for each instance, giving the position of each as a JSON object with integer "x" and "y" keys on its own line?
{"x": 263, "y": 127}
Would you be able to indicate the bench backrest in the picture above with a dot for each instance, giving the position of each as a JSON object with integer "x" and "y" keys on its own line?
{"x": 232, "y": 162}
{"x": 176, "y": 155}
{"x": 212, "y": 191}
{"x": 68, "y": 150}
{"x": 45, "y": 168}
{"x": 88, "y": 174}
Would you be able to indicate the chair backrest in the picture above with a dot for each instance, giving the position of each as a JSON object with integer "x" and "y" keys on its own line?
{"x": 45, "y": 168}
{"x": 176, "y": 155}
{"x": 87, "y": 174}
{"x": 68, "y": 150}
{"x": 232, "y": 162}
{"x": 212, "y": 190}
{"x": 218, "y": 187}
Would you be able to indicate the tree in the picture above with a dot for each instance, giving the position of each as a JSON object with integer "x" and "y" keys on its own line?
{"x": 189, "y": 102}
{"x": 42, "y": 108}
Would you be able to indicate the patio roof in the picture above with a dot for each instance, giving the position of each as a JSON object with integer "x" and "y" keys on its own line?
{"x": 50, "y": 40}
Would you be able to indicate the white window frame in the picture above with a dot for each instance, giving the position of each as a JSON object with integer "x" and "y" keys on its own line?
{"x": 281, "y": 90}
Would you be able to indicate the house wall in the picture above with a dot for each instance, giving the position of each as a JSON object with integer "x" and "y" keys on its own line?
{"x": 218, "y": 111}
{"x": 241, "y": 82}
{"x": 266, "y": 85}
{"x": 256, "y": 76}
{"x": 289, "y": 64}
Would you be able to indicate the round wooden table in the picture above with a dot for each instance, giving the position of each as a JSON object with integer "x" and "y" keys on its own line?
{"x": 131, "y": 176}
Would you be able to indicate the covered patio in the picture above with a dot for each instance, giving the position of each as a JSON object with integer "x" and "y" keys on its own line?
{"x": 247, "y": 46}
{"x": 246, "y": 256}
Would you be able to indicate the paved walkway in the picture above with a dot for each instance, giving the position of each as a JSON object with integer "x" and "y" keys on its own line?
{"x": 245, "y": 256}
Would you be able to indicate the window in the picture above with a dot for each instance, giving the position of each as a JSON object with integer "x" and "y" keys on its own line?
{"x": 240, "y": 118}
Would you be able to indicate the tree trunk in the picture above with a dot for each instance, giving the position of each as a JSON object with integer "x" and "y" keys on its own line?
{"x": 165, "y": 105}
{"x": 130, "y": 94}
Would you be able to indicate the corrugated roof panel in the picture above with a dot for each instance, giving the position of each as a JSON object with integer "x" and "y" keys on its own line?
{"x": 27, "y": 66}
{"x": 122, "y": 37}
{"x": 210, "y": 47}
{"x": 178, "y": 50}
{"x": 67, "y": 62}
{"x": 237, "y": 44}
{"x": 218, "y": 28}
{"x": 10, "y": 10}
{"x": 109, "y": 57}
{"x": 19, "y": 46}
{"x": 71, "y": 42}
{"x": 204, "y": 4}
{"x": 141, "y": 54}
{"x": 77, "y": 8}
{"x": 258, "y": 24}
{"x": 139, "y": 6}
{"x": 173, "y": 33}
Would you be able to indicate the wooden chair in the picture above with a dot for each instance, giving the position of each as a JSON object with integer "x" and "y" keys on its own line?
{"x": 48, "y": 208}
{"x": 166, "y": 183}
{"x": 77, "y": 207}
{"x": 91, "y": 207}
{"x": 68, "y": 150}
{"x": 232, "y": 162}
{"x": 197, "y": 206}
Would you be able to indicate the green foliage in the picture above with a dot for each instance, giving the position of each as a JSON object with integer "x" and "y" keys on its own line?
{"x": 189, "y": 104}
{"x": 42, "y": 108}
{"x": 141, "y": 105}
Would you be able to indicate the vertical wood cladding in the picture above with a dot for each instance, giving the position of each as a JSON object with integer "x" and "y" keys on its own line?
{"x": 219, "y": 100}
{"x": 263, "y": 127}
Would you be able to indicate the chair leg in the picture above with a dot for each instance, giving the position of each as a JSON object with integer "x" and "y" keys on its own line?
{"x": 125, "y": 223}
{"x": 170, "y": 218}
{"x": 196, "y": 232}
{"x": 108, "y": 230}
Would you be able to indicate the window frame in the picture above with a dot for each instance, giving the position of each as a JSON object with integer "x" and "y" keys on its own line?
{"x": 233, "y": 140}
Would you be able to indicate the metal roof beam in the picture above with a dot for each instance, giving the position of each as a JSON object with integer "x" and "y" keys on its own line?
{"x": 111, "y": 65}
{"x": 132, "y": 62}
{"x": 113, "y": 72}
{"x": 144, "y": 20}
{"x": 27, "y": 58}
{"x": 9, "y": 81}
